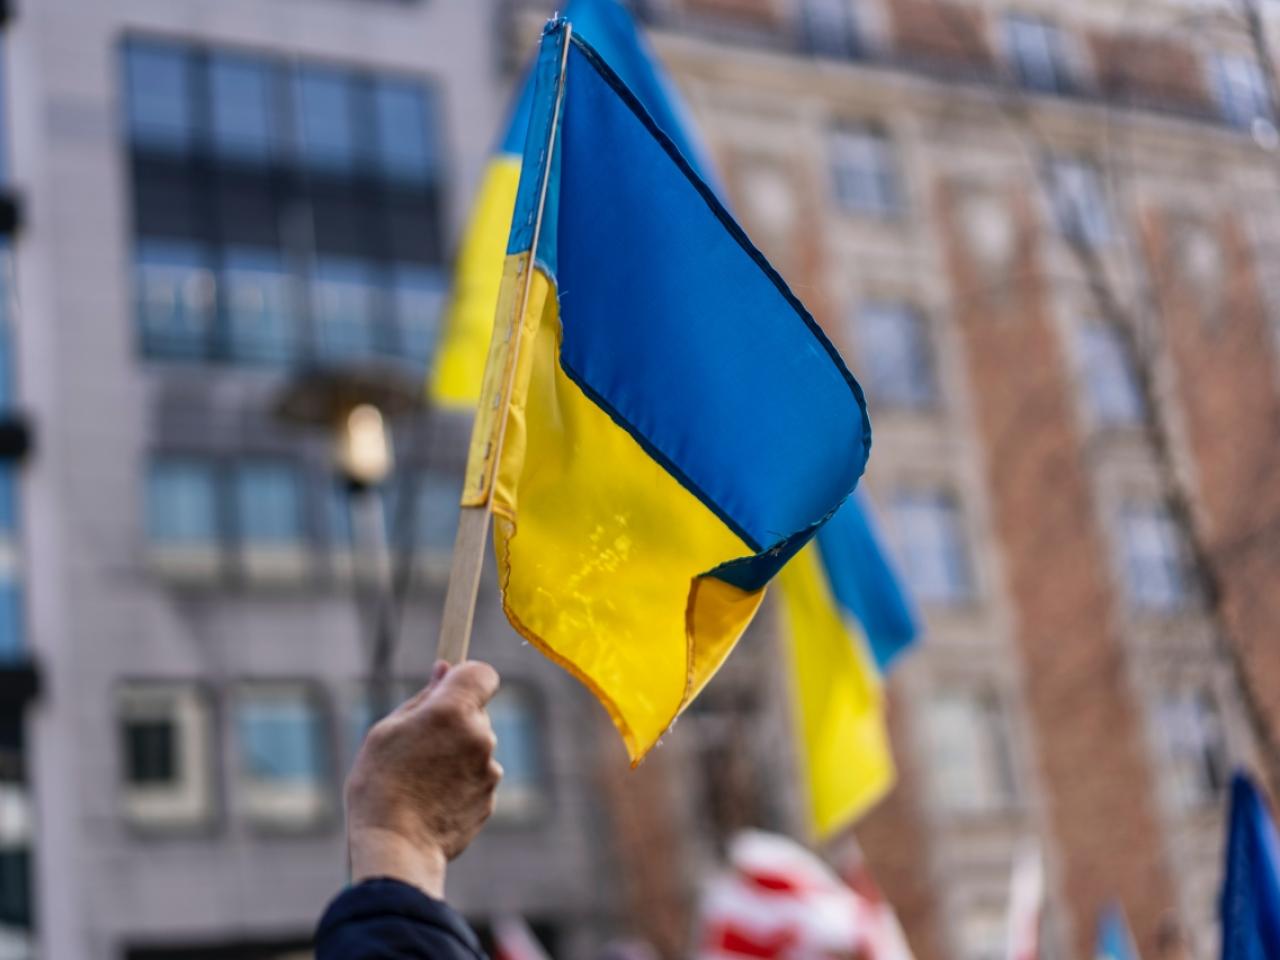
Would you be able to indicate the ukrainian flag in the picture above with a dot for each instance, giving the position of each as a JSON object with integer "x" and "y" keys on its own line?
{"x": 678, "y": 425}
{"x": 606, "y": 25}
{"x": 847, "y": 618}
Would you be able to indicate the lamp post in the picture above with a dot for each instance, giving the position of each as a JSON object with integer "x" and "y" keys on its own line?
{"x": 355, "y": 404}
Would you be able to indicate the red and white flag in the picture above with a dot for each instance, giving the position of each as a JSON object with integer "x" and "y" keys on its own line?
{"x": 1026, "y": 904}
{"x": 513, "y": 940}
{"x": 777, "y": 901}
{"x": 882, "y": 933}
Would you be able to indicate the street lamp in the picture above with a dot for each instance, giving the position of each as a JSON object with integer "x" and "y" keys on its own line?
{"x": 354, "y": 403}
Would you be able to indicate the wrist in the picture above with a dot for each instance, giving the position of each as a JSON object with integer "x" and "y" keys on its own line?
{"x": 378, "y": 852}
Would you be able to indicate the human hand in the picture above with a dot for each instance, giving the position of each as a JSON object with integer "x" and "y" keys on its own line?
{"x": 423, "y": 782}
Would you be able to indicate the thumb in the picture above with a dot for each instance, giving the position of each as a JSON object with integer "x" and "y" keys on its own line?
{"x": 472, "y": 683}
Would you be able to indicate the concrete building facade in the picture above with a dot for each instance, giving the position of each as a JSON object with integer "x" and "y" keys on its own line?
{"x": 1041, "y": 233}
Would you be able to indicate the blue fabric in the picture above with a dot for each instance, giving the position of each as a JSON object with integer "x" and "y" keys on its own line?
{"x": 1114, "y": 940}
{"x": 677, "y": 326}
{"x": 533, "y": 166}
{"x": 385, "y": 918}
{"x": 1251, "y": 891}
{"x": 865, "y": 584}
{"x": 609, "y": 29}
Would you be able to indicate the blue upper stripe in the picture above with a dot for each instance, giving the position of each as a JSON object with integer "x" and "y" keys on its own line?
{"x": 863, "y": 582}
{"x": 677, "y": 326}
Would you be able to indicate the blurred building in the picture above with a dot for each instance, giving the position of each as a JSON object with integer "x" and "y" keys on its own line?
{"x": 218, "y": 195}
{"x": 1043, "y": 234}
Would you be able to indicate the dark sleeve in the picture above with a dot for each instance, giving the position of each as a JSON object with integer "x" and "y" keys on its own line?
{"x": 390, "y": 920}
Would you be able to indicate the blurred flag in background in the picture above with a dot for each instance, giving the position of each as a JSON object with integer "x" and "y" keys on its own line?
{"x": 1115, "y": 942}
{"x": 846, "y": 618}
{"x": 1251, "y": 888}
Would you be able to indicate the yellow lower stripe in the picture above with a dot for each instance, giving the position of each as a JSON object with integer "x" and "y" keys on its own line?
{"x": 600, "y": 549}
{"x": 844, "y": 749}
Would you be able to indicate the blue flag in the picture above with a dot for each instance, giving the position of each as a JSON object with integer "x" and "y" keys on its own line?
{"x": 1115, "y": 942}
{"x": 1251, "y": 889}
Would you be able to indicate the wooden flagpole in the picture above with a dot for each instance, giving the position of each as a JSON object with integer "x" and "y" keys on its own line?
{"x": 489, "y": 430}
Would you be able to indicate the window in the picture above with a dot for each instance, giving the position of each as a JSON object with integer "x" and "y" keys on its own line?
{"x": 1241, "y": 90}
{"x": 246, "y": 168}
{"x": 436, "y": 513}
{"x": 406, "y": 115}
{"x": 158, "y": 80}
{"x": 242, "y": 114}
{"x": 182, "y": 516}
{"x": 1154, "y": 558}
{"x": 344, "y": 301}
{"x": 1195, "y": 746}
{"x": 326, "y": 105}
{"x": 258, "y": 300}
{"x": 970, "y": 754}
{"x": 1079, "y": 202}
{"x": 166, "y": 754}
{"x": 931, "y": 542}
{"x": 1110, "y": 379}
{"x": 418, "y": 295}
{"x": 1038, "y": 54}
{"x": 283, "y": 748}
{"x": 897, "y": 359}
{"x": 863, "y": 172}
{"x": 174, "y": 294}
{"x": 829, "y": 27}
{"x": 522, "y": 793}
{"x": 269, "y": 520}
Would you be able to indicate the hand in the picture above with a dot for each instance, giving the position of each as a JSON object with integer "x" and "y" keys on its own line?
{"x": 423, "y": 782}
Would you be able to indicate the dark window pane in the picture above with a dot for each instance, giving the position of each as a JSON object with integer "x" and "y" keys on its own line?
{"x": 168, "y": 200}
{"x": 407, "y": 149}
{"x": 414, "y": 229}
{"x": 247, "y": 214}
{"x": 150, "y": 752}
{"x": 158, "y": 81}
{"x": 242, "y": 108}
{"x": 325, "y": 103}
{"x": 15, "y": 891}
{"x": 345, "y": 223}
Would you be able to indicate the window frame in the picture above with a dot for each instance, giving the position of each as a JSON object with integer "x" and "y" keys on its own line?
{"x": 317, "y": 798}
{"x": 915, "y": 342}
{"x": 195, "y": 806}
{"x": 964, "y": 591}
{"x": 1184, "y": 597}
{"x": 886, "y": 199}
{"x": 1056, "y": 66}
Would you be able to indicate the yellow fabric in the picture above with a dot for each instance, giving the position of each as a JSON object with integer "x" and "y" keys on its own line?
{"x": 468, "y": 322}
{"x": 600, "y": 549}
{"x": 844, "y": 748}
